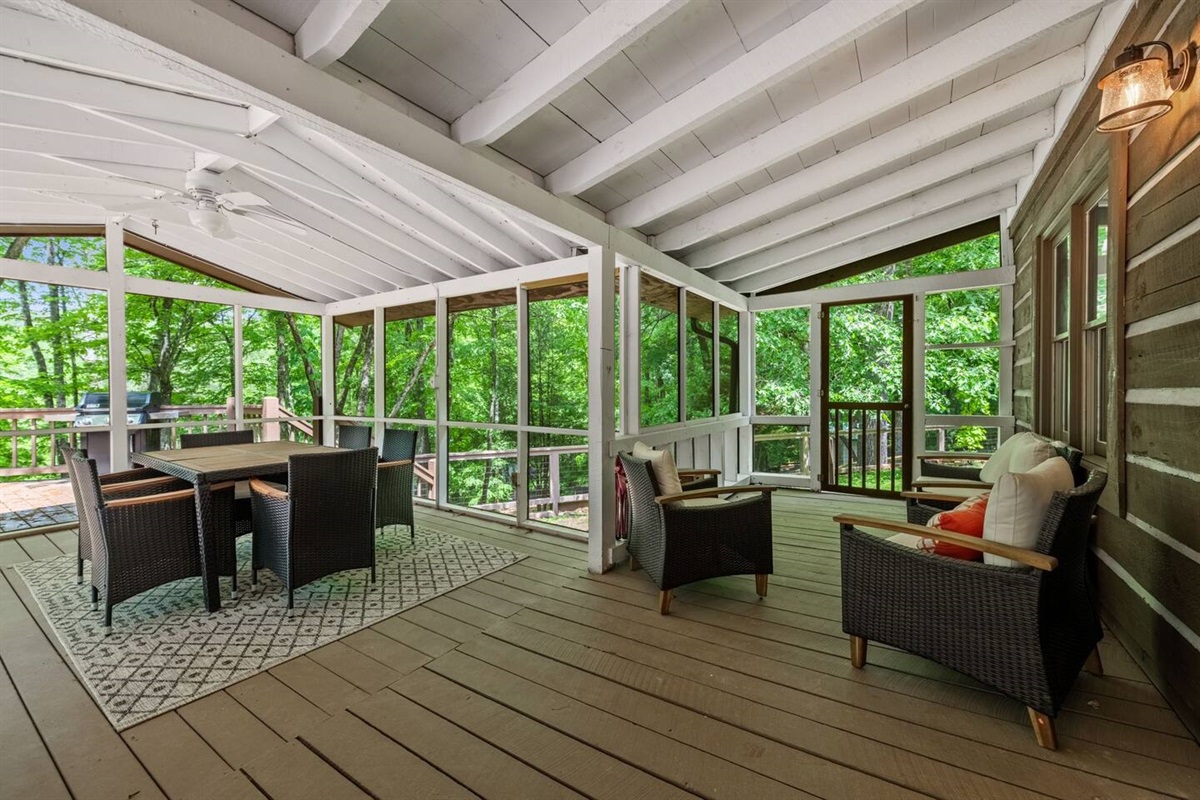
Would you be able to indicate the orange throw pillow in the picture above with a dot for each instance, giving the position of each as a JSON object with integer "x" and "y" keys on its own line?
{"x": 965, "y": 518}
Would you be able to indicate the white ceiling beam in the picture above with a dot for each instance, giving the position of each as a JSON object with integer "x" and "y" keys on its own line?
{"x": 59, "y": 85}
{"x": 938, "y": 198}
{"x": 598, "y": 37}
{"x": 956, "y": 55}
{"x": 1037, "y": 82}
{"x": 1016, "y": 138}
{"x": 797, "y": 47}
{"x": 71, "y": 184}
{"x": 904, "y": 234}
{"x": 949, "y": 282}
{"x": 386, "y": 204}
{"x": 69, "y": 145}
{"x": 333, "y": 27}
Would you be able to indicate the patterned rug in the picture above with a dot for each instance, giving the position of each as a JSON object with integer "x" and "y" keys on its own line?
{"x": 165, "y": 650}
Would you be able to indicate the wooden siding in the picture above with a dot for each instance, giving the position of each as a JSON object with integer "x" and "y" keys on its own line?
{"x": 542, "y": 681}
{"x": 1148, "y": 569}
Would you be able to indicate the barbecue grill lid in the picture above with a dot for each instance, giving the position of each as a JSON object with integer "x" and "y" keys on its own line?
{"x": 98, "y": 402}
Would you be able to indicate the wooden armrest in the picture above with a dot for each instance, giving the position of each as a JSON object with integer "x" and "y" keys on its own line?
{"x": 683, "y": 472}
{"x": 717, "y": 492}
{"x": 934, "y": 496}
{"x": 942, "y": 483}
{"x": 258, "y": 486}
{"x": 954, "y": 457}
{"x": 165, "y": 497}
{"x": 217, "y": 487}
{"x": 1029, "y": 558}
{"x": 129, "y": 486}
{"x": 404, "y": 462}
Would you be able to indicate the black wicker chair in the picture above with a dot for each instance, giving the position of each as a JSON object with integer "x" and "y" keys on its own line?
{"x": 394, "y": 497}
{"x": 354, "y": 437}
{"x": 1025, "y": 630}
{"x": 678, "y": 544}
{"x": 241, "y": 506}
{"x": 325, "y": 521}
{"x": 923, "y": 503}
{"x": 129, "y": 483}
{"x": 139, "y": 542}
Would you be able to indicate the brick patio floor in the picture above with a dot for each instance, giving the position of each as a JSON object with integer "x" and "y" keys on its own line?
{"x": 33, "y": 504}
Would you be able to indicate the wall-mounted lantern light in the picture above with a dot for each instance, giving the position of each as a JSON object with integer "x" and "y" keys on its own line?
{"x": 1140, "y": 87}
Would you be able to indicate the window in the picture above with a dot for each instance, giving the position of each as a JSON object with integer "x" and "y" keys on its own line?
{"x": 354, "y": 365}
{"x": 700, "y": 352}
{"x": 1060, "y": 345}
{"x": 962, "y": 369}
{"x": 781, "y": 363}
{"x": 1095, "y": 345}
{"x": 659, "y": 351}
{"x": 80, "y": 252}
{"x": 281, "y": 371}
{"x": 410, "y": 363}
{"x": 730, "y": 361}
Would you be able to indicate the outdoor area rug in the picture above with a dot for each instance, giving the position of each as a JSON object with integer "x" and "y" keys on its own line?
{"x": 166, "y": 650}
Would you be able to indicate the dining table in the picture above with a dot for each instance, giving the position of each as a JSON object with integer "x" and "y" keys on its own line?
{"x": 204, "y": 466}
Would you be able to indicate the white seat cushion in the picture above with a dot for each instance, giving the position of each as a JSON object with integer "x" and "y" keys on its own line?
{"x": 908, "y": 540}
{"x": 1027, "y": 449}
{"x": 1018, "y": 505}
{"x": 663, "y": 464}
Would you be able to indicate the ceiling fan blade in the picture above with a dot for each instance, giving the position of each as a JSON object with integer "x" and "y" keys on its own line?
{"x": 274, "y": 219}
{"x": 242, "y": 199}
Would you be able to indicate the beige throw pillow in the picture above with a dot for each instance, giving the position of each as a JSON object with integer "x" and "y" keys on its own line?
{"x": 663, "y": 464}
{"x": 1018, "y": 504}
{"x": 1000, "y": 461}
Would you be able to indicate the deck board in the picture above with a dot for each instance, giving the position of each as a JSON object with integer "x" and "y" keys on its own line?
{"x": 541, "y": 680}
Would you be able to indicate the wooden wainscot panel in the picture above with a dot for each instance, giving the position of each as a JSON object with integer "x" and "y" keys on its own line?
{"x": 1166, "y": 357}
{"x": 1164, "y": 433}
{"x": 1171, "y": 661}
{"x": 1159, "y": 141}
{"x": 1163, "y": 571}
{"x": 1170, "y": 503}
{"x": 1168, "y": 281}
{"x": 1169, "y": 205}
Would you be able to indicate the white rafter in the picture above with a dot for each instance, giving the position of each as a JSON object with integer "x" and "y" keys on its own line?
{"x": 952, "y": 57}
{"x": 332, "y": 28}
{"x": 904, "y": 234}
{"x": 946, "y": 195}
{"x": 802, "y": 44}
{"x": 1018, "y": 137}
{"x": 598, "y": 37}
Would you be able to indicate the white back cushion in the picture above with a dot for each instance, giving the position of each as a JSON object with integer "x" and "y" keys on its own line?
{"x": 1018, "y": 504}
{"x": 663, "y": 464}
{"x": 1028, "y": 449}
{"x": 1031, "y": 453}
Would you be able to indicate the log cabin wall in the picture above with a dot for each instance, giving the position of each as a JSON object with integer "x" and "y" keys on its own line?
{"x": 1147, "y": 566}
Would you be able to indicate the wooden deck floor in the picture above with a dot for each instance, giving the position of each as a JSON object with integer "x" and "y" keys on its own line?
{"x": 541, "y": 681}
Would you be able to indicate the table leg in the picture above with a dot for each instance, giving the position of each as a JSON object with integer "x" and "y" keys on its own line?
{"x": 207, "y": 527}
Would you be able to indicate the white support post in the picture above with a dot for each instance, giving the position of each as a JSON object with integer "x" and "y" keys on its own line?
{"x": 1007, "y": 297}
{"x": 601, "y": 420}
{"x": 818, "y": 434}
{"x": 441, "y": 391}
{"x": 328, "y": 386}
{"x": 716, "y": 359}
{"x": 380, "y": 376}
{"x": 681, "y": 376}
{"x": 114, "y": 259}
{"x": 631, "y": 353}
{"x": 745, "y": 378}
{"x": 522, "y": 478}
{"x": 239, "y": 399}
{"x": 918, "y": 367}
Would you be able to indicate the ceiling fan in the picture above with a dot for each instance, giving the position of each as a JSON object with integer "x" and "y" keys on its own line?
{"x": 205, "y": 206}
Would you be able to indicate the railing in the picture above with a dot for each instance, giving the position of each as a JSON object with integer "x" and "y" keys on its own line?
{"x": 866, "y": 447}
{"x": 35, "y": 436}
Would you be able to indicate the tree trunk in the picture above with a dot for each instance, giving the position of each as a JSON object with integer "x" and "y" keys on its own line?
{"x": 39, "y": 357}
{"x": 413, "y": 379}
{"x": 310, "y": 371}
{"x": 364, "y": 376}
{"x": 283, "y": 378}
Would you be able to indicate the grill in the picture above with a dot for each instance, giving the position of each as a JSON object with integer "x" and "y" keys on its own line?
{"x": 140, "y": 408}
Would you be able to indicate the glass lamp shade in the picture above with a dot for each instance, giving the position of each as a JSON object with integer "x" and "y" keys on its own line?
{"x": 1134, "y": 93}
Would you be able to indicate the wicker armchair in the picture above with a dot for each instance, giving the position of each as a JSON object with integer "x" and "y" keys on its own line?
{"x": 129, "y": 483}
{"x": 932, "y": 496}
{"x": 324, "y": 523}
{"x": 394, "y": 497}
{"x": 354, "y": 437}
{"x": 241, "y": 505}
{"x": 680, "y": 544}
{"x": 139, "y": 542}
{"x": 1024, "y": 630}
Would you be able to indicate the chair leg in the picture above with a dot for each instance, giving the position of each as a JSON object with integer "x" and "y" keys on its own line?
{"x": 291, "y": 603}
{"x": 95, "y": 599}
{"x": 233, "y": 590}
{"x": 1043, "y": 729}
{"x": 372, "y": 573}
{"x": 253, "y": 578}
{"x": 79, "y": 571}
{"x": 634, "y": 566}
{"x": 107, "y": 618}
{"x": 664, "y": 601}
{"x": 1093, "y": 663}
{"x": 858, "y": 652}
{"x": 760, "y": 585}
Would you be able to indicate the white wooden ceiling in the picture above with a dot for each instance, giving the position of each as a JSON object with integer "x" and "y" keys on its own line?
{"x": 759, "y": 141}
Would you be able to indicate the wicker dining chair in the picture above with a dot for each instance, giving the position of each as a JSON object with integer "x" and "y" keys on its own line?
{"x": 138, "y": 482}
{"x": 680, "y": 543}
{"x": 354, "y": 437}
{"x": 241, "y": 506}
{"x": 1025, "y": 630}
{"x": 323, "y": 523}
{"x": 394, "y": 496}
{"x": 140, "y": 542}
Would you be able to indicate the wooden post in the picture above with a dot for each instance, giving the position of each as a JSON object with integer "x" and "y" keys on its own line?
{"x": 270, "y": 411}
{"x": 601, "y": 404}
{"x": 114, "y": 259}
{"x": 555, "y": 481}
